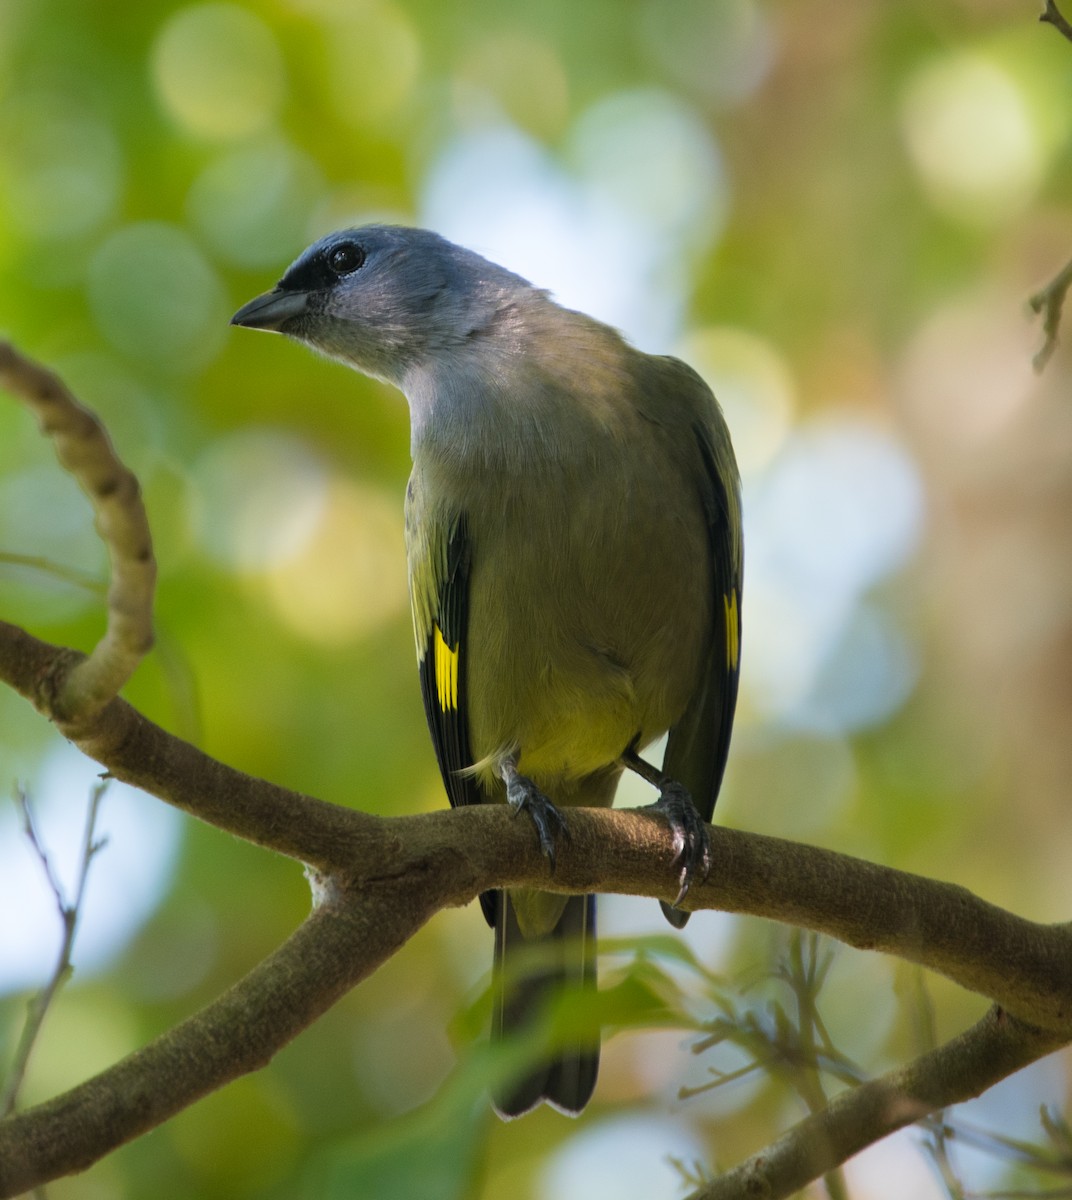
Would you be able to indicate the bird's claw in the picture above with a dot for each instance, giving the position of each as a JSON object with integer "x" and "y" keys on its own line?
{"x": 692, "y": 844}
{"x": 523, "y": 794}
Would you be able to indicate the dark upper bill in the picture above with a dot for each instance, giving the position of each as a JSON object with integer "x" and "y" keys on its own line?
{"x": 272, "y": 310}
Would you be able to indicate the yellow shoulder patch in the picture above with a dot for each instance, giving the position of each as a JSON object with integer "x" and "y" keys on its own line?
{"x": 446, "y": 673}
{"x": 733, "y": 645}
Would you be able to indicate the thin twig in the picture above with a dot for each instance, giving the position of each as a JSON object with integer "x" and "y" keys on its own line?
{"x": 1050, "y": 301}
{"x": 936, "y": 1146}
{"x": 1061, "y": 1193}
{"x": 805, "y": 975}
{"x": 937, "y": 1132}
{"x": 1050, "y": 1157}
{"x": 69, "y": 914}
{"x": 1052, "y": 16}
{"x": 860, "y": 1116}
{"x": 72, "y": 575}
{"x": 178, "y": 673}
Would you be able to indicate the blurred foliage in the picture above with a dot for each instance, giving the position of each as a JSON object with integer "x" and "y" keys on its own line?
{"x": 841, "y": 211}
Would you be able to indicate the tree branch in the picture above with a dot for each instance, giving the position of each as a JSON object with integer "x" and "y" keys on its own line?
{"x": 962, "y": 1068}
{"x": 84, "y": 450}
{"x": 1050, "y": 301}
{"x": 333, "y": 950}
{"x": 1024, "y": 966}
{"x": 69, "y": 914}
{"x": 1052, "y": 16}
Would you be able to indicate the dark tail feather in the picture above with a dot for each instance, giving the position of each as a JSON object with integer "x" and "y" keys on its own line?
{"x": 568, "y": 1080}
{"x": 675, "y": 916}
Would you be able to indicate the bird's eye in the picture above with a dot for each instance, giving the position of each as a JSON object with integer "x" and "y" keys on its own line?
{"x": 346, "y": 257}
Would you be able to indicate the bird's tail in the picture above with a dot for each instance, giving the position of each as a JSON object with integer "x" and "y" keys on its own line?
{"x": 567, "y": 955}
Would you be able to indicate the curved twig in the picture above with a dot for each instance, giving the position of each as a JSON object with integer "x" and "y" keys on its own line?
{"x": 84, "y": 450}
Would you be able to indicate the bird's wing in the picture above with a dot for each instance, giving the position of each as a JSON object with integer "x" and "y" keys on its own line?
{"x": 443, "y": 667}
{"x": 442, "y": 651}
{"x": 699, "y": 743}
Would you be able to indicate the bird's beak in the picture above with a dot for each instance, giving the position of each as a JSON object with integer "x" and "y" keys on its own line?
{"x": 272, "y": 310}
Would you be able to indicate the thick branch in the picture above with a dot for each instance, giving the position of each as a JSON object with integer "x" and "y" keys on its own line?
{"x": 445, "y": 858}
{"x": 964, "y": 1067}
{"x": 1023, "y": 966}
{"x": 334, "y": 949}
{"x": 83, "y": 448}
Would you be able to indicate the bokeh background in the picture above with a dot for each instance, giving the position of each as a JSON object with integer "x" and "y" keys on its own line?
{"x": 835, "y": 213}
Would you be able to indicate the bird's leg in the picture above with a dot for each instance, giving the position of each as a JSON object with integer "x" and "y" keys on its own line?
{"x": 522, "y": 793}
{"x": 692, "y": 844}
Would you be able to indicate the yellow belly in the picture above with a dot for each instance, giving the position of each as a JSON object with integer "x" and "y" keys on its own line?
{"x": 584, "y": 633}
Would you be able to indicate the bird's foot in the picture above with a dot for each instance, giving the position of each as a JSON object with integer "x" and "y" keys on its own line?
{"x": 692, "y": 843}
{"x": 523, "y": 794}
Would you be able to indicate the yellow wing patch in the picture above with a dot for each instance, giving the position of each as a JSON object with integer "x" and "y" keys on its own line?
{"x": 446, "y": 673}
{"x": 733, "y": 646}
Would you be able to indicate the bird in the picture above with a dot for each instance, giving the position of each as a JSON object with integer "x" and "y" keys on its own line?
{"x": 575, "y": 560}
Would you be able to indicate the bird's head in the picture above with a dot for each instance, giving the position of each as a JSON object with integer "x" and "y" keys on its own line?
{"x": 384, "y": 298}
